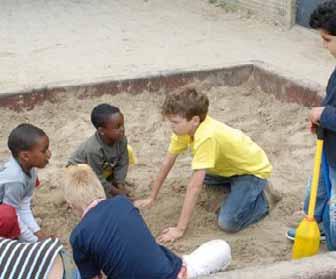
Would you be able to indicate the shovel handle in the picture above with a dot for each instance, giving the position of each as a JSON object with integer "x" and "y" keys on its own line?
{"x": 316, "y": 174}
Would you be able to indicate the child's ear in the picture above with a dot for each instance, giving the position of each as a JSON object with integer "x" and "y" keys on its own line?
{"x": 100, "y": 131}
{"x": 24, "y": 156}
{"x": 196, "y": 120}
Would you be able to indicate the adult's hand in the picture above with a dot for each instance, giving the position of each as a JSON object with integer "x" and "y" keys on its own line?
{"x": 315, "y": 115}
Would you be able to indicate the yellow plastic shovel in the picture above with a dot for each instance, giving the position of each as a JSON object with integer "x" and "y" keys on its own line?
{"x": 307, "y": 236}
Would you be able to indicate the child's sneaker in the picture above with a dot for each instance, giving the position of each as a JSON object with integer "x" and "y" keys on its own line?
{"x": 291, "y": 234}
{"x": 210, "y": 257}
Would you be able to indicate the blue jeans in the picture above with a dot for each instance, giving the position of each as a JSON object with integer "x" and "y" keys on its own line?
{"x": 325, "y": 210}
{"x": 246, "y": 203}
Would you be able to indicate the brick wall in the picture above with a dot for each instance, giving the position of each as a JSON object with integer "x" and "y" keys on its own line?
{"x": 279, "y": 11}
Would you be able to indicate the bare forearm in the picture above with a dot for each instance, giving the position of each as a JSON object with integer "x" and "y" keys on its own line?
{"x": 193, "y": 190}
{"x": 164, "y": 170}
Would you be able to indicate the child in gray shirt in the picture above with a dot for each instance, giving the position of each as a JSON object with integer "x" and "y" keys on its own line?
{"x": 106, "y": 150}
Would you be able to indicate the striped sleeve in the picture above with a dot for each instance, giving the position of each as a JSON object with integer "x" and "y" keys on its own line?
{"x": 27, "y": 260}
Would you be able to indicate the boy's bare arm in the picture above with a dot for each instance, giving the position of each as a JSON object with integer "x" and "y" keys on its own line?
{"x": 191, "y": 197}
{"x": 166, "y": 166}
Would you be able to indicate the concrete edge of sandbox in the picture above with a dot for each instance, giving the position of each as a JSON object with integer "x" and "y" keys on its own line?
{"x": 318, "y": 267}
{"x": 264, "y": 76}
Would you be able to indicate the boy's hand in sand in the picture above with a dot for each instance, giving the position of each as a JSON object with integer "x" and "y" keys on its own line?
{"x": 170, "y": 235}
{"x": 144, "y": 203}
{"x": 41, "y": 235}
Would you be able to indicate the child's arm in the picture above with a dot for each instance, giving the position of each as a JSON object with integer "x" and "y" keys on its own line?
{"x": 191, "y": 197}
{"x": 15, "y": 196}
{"x": 26, "y": 215}
{"x": 121, "y": 168}
{"x": 166, "y": 166}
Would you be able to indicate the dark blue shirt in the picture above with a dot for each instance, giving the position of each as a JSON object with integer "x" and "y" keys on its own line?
{"x": 328, "y": 121}
{"x": 113, "y": 237}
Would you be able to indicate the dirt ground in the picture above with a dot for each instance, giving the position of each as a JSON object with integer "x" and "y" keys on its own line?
{"x": 279, "y": 128}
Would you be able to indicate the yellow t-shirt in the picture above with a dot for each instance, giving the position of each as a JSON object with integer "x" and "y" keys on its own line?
{"x": 222, "y": 150}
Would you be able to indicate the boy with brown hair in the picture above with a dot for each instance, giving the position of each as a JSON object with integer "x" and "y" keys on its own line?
{"x": 113, "y": 239}
{"x": 221, "y": 156}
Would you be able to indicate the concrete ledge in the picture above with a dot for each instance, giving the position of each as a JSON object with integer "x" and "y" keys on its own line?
{"x": 229, "y": 76}
{"x": 317, "y": 267}
{"x": 284, "y": 87}
{"x": 262, "y": 75}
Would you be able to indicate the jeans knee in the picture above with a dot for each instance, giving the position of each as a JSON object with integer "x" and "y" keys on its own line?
{"x": 228, "y": 225}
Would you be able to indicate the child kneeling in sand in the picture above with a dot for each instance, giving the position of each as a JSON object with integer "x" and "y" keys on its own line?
{"x": 113, "y": 238}
{"x": 29, "y": 146}
{"x": 106, "y": 151}
{"x": 222, "y": 156}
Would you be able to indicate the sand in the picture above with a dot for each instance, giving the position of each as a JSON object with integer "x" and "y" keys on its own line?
{"x": 279, "y": 128}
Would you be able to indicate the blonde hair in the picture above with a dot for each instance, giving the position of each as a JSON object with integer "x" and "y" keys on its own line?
{"x": 81, "y": 185}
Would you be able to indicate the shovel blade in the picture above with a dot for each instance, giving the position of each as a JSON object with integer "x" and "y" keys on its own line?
{"x": 307, "y": 239}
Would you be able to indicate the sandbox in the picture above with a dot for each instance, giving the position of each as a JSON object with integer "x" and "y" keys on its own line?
{"x": 267, "y": 105}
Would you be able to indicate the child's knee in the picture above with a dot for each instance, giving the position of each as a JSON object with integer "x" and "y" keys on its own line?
{"x": 228, "y": 225}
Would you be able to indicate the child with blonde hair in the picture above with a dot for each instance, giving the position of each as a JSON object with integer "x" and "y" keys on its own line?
{"x": 112, "y": 238}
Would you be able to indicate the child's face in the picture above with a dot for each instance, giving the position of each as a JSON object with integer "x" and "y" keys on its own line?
{"x": 182, "y": 126}
{"x": 329, "y": 41}
{"x": 39, "y": 154}
{"x": 114, "y": 129}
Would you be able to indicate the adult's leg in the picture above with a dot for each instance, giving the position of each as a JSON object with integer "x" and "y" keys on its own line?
{"x": 321, "y": 199}
{"x": 329, "y": 213}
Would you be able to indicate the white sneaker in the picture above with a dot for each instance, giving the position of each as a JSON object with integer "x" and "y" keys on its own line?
{"x": 210, "y": 257}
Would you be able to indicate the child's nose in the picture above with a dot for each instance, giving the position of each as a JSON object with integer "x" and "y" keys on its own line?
{"x": 49, "y": 154}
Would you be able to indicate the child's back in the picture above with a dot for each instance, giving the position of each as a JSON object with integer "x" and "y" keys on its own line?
{"x": 13, "y": 178}
{"x": 114, "y": 233}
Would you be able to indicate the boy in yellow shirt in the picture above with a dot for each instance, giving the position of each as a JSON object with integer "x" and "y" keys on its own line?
{"x": 221, "y": 156}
